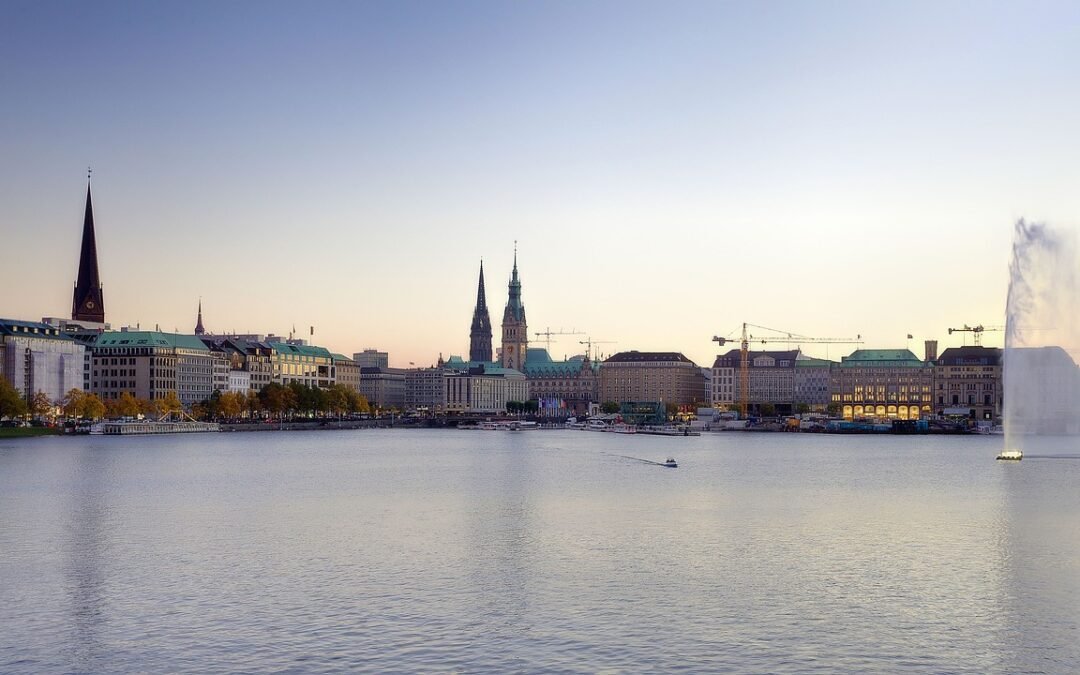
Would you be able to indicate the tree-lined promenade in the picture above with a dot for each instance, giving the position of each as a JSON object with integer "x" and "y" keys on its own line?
{"x": 273, "y": 401}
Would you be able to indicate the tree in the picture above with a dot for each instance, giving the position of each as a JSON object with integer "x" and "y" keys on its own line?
{"x": 274, "y": 398}
{"x": 40, "y": 405}
{"x": 254, "y": 405}
{"x": 833, "y": 409}
{"x": 767, "y": 410}
{"x": 72, "y": 403}
{"x": 126, "y": 406}
{"x": 91, "y": 407}
{"x": 337, "y": 399}
{"x": 231, "y": 404}
{"x": 171, "y": 403}
{"x": 12, "y": 403}
{"x": 802, "y": 408}
{"x": 610, "y": 407}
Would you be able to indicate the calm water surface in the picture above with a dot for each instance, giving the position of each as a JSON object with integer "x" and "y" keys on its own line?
{"x": 407, "y": 550}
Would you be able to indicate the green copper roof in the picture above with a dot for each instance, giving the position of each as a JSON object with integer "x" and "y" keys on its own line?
{"x": 301, "y": 350}
{"x": 862, "y": 358}
{"x": 149, "y": 338}
{"x": 538, "y": 363}
{"x": 341, "y": 357}
{"x": 490, "y": 367}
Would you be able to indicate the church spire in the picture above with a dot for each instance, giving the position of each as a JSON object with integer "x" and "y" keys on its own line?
{"x": 199, "y": 330}
{"x": 480, "y": 332}
{"x": 87, "y": 302}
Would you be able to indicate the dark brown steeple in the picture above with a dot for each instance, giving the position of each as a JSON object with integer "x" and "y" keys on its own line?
{"x": 480, "y": 334}
{"x": 199, "y": 330}
{"x": 87, "y": 302}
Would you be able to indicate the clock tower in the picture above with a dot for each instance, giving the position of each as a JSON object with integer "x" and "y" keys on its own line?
{"x": 515, "y": 332}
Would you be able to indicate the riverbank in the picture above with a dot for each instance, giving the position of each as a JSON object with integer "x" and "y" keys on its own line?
{"x": 29, "y": 432}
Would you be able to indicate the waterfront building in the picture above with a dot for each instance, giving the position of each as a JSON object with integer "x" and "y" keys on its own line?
{"x": 515, "y": 330}
{"x": 253, "y": 358}
{"x": 88, "y": 300}
{"x": 385, "y": 387}
{"x": 239, "y": 381}
{"x": 83, "y": 332}
{"x": 562, "y": 388}
{"x": 220, "y": 364}
{"x": 668, "y": 377}
{"x": 425, "y": 390}
{"x": 38, "y": 357}
{"x": 481, "y": 388}
{"x": 771, "y": 378}
{"x": 306, "y": 364}
{"x": 149, "y": 364}
{"x": 480, "y": 330}
{"x": 346, "y": 372}
{"x": 967, "y": 382}
{"x": 811, "y": 384}
{"x": 371, "y": 358}
{"x": 883, "y": 384}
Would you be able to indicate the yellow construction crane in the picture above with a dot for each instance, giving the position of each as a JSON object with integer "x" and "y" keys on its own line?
{"x": 977, "y": 331}
{"x": 548, "y": 333}
{"x": 783, "y": 337}
{"x": 590, "y": 342}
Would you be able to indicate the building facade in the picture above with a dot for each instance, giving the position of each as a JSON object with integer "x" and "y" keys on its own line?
{"x": 967, "y": 380}
{"x": 371, "y": 358}
{"x": 771, "y": 377}
{"x": 306, "y": 364}
{"x": 483, "y": 389}
{"x": 425, "y": 390}
{"x": 811, "y": 384}
{"x": 346, "y": 372}
{"x": 384, "y": 388}
{"x": 149, "y": 364}
{"x": 38, "y": 357}
{"x": 562, "y": 388}
{"x": 668, "y": 377}
{"x": 882, "y": 384}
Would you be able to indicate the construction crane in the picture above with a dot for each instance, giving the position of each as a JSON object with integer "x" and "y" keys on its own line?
{"x": 977, "y": 331}
{"x": 590, "y": 342}
{"x": 548, "y": 333}
{"x": 784, "y": 338}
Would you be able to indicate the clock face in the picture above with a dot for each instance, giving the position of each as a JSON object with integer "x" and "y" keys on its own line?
{"x": 89, "y": 304}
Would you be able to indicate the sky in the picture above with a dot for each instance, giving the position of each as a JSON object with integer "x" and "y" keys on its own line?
{"x": 668, "y": 170}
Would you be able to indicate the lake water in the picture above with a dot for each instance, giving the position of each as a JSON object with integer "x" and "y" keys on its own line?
{"x": 454, "y": 551}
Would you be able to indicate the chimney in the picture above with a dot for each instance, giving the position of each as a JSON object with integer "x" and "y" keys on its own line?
{"x": 931, "y": 350}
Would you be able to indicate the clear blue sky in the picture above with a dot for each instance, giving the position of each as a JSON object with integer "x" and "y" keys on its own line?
{"x": 669, "y": 169}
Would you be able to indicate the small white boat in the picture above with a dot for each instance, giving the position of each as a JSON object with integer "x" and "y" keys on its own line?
{"x": 596, "y": 425}
{"x": 670, "y": 463}
{"x": 621, "y": 428}
{"x": 1011, "y": 455}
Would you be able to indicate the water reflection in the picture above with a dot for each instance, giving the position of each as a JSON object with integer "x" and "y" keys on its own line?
{"x": 1040, "y": 557}
{"x": 86, "y": 549}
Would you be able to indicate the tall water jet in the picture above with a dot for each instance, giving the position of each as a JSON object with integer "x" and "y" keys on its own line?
{"x": 1041, "y": 378}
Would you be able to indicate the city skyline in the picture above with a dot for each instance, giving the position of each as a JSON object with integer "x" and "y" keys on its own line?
{"x": 660, "y": 195}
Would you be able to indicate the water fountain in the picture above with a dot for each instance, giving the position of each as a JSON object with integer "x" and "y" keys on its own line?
{"x": 1041, "y": 378}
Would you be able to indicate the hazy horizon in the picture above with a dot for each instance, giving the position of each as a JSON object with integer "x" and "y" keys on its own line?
{"x": 668, "y": 171}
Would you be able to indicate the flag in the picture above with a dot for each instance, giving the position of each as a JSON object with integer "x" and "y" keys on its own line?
{"x": 910, "y": 337}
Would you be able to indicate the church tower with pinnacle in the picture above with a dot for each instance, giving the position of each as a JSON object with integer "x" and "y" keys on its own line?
{"x": 87, "y": 302}
{"x": 515, "y": 332}
{"x": 199, "y": 330}
{"x": 480, "y": 333}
